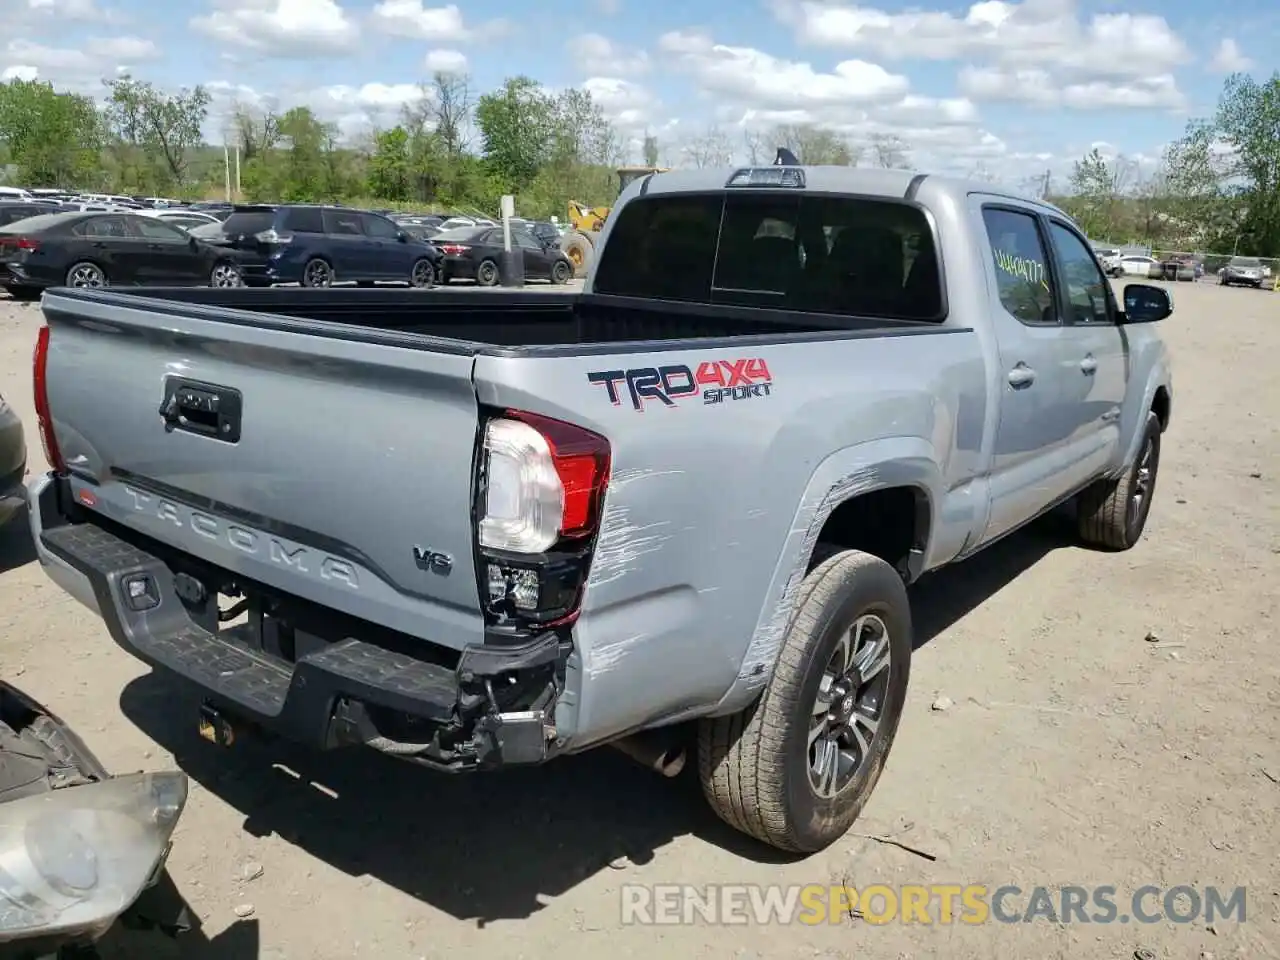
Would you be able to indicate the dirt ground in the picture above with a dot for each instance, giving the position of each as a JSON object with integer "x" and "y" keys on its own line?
{"x": 1114, "y": 719}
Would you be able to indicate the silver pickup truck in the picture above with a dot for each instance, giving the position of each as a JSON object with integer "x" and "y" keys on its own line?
{"x": 679, "y": 511}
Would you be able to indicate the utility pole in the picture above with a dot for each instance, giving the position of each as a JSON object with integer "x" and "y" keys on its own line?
{"x": 1044, "y": 191}
{"x": 226, "y": 170}
{"x": 238, "y": 194}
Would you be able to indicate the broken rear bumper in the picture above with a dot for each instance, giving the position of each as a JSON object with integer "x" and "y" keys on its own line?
{"x": 343, "y": 692}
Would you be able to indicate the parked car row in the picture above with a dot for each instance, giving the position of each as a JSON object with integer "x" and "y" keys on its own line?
{"x": 254, "y": 245}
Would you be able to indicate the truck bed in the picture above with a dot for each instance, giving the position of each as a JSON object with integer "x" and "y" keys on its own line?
{"x": 481, "y": 321}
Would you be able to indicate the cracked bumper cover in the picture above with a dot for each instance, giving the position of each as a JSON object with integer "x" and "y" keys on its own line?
{"x": 327, "y": 698}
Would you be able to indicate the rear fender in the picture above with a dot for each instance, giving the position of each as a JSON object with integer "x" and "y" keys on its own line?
{"x": 857, "y": 470}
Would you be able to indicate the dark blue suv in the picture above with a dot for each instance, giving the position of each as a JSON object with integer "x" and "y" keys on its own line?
{"x": 321, "y": 245}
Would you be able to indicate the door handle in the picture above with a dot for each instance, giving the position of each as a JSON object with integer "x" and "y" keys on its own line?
{"x": 1088, "y": 365}
{"x": 1021, "y": 376}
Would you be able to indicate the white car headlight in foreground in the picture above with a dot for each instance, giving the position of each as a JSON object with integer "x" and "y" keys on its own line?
{"x": 72, "y": 860}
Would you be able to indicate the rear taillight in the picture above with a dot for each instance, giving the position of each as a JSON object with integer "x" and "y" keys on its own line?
{"x": 452, "y": 249}
{"x": 44, "y": 419}
{"x": 270, "y": 236}
{"x": 27, "y": 243}
{"x": 542, "y": 484}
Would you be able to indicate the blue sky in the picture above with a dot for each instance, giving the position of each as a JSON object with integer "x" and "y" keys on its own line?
{"x": 1003, "y": 87}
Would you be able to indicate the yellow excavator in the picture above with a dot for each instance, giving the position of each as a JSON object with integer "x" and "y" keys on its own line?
{"x": 579, "y": 244}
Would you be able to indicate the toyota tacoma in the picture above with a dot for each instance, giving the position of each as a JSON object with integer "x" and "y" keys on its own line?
{"x": 680, "y": 508}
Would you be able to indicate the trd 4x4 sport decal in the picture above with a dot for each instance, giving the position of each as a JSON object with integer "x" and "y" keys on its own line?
{"x": 717, "y": 381}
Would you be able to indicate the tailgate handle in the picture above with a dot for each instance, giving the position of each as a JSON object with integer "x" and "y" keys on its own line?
{"x": 201, "y": 408}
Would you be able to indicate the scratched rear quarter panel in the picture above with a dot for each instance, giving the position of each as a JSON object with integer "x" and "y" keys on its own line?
{"x": 703, "y": 499}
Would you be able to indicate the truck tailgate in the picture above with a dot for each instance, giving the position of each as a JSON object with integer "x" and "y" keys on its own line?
{"x": 337, "y": 471}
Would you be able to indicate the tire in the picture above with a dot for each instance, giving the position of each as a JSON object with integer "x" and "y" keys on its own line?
{"x": 756, "y": 766}
{"x": 561, "y": 272}
{"x": 487, "y": 274}
{"x": 225, "y": 274}
{"x": 1107, "y": 513}
{"x": 580, "y": 251}
{"x": 86, "y": 275}
{"x": 317, "y": 273}
{"x": 422, "y": 275}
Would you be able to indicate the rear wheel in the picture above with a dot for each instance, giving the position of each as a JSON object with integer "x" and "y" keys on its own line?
{"x": 795, "y": 768}
{"x": 579, "y": 251}
{"x": 226, "y": 275}
{"x": 423, "y": 275}
{"x": 86, "y": 275}
{"x": 317, "y": 273}
{"x": 561, "y": 271}
{"x": 487, "y": 274}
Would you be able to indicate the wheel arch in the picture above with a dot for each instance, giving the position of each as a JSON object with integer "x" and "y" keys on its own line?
{"x": 899, "y": 473}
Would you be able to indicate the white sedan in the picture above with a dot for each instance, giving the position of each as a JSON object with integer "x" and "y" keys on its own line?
{"x": 1135, "y": 265}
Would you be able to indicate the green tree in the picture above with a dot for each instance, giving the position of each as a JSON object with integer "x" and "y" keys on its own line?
{"x": 1248, "y": 122}
{"x": 516, "y": 126}
{"x": 1098, "y": 185}
{"x": 813, "y": 145}
{"x": 649, "y": 152}
{"x": 391, "y": 175}
{"x": 54, "y": 139}
{"x": 157, "y": 129}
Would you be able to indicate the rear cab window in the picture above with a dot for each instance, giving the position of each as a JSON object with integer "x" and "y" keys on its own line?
{"x": 816, "y": 253}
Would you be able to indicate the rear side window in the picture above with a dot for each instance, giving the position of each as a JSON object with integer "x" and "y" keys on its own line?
{"x": 248, "y": 222}
{"x": 343, "y": 222}
{"x": 103, "y": 227}
{"x": 1022, "y": 273}
{"x": 303, "y": 220}
{"x": 813, "y": 253}
{"x": 379, "y": 227}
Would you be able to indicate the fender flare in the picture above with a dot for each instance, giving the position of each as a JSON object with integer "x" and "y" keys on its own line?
{"x": 846, "y": 473}
{"x": 1160, "y": 376}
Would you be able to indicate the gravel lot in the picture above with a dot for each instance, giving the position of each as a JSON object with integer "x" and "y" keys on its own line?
{"x": 1113, "y": 719}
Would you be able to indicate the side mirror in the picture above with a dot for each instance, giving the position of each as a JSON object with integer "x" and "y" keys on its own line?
{"x": 1144, "y": 303}
{"x": 402, "y": 237}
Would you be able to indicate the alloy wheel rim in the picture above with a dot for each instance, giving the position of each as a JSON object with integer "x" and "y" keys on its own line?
{"x": 318, "y": 274}
{"x": 1142, "y": 481}
{"x": 224, "y": 276}
{"x": 86, "y": 276}
{"x": 422, "y": 274}
{"x": 849, "y": 707}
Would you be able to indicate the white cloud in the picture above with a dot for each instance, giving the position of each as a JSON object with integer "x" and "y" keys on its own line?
{"x": 354, "y": 110}
{"x": 1047, "y": 37}
{"x": 595, "y": 54}
{"x": 750, "y": 76}
{"x": 284, "y": 28}
{"x": 81, "y": 69}
{"x": 445, "y": 61}
{"x": 1228, "y": 58}
{"x": 1042, "y": 88}
{"x": 410, "y": 19}
{"x": 628, "y": 105}
{"x": 84, "y": 11}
